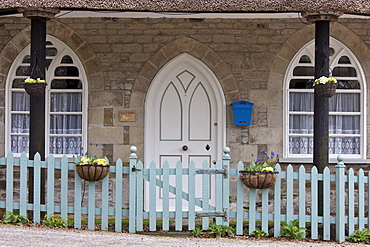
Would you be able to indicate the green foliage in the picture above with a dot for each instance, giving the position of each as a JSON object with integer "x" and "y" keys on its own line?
{"x": 259, "y": 233}
{"x": 220, "y": 231}
{"x": 264, "y": 162}
{"x": 197, "y": 231}
{"x": 13, "y": 218}
{"x": 55, "y": 221}
{"x": 360, "y": 236}
{"x": 292, "y": 230}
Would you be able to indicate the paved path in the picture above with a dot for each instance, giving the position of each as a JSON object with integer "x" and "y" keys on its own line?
{"x": 17, "y": 236}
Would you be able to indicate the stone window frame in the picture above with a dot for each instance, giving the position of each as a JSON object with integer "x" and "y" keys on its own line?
{"x": 63, "y": 50}
{"x": 308, "y": 49}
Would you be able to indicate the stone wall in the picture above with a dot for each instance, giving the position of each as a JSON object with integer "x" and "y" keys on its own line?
{"x": 122, "y": 55}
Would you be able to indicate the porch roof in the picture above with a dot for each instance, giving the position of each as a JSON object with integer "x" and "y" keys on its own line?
{"x": 345, "y": 6}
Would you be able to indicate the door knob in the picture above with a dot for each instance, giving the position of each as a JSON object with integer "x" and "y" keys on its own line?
{"x": 185, "y": 148}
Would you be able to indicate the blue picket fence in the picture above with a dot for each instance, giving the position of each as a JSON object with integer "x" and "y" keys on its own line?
{"x": 294, "y": 196}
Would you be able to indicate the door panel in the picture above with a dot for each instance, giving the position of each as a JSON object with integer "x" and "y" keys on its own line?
{"x": 182, "y": 110}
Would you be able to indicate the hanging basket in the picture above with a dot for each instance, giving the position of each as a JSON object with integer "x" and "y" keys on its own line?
{"x": 258, "y": 179}
{"x": 325, "y": 90}
{"x": 92, "y": 172}
{"x": 35, "y": 89}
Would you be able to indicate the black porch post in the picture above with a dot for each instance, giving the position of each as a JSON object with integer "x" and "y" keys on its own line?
{"x": 321, "y": 105}
{"x": 38, "y": 18}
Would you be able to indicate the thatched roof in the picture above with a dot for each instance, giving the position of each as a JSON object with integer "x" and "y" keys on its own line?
{"x": 346, "y": 6}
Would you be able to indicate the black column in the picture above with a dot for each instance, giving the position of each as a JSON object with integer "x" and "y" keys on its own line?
{"x": 37, "y": 103}
{"x": 321, "y": 105}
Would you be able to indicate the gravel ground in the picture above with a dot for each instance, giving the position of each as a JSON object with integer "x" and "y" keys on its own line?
{"x": 35, "y": 236}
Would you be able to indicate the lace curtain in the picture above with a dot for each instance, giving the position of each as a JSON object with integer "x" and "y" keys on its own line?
{"x": 65, "y": 119}
{"x": 345, "y": 125}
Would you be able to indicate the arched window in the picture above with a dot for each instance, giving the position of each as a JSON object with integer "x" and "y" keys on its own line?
{"x": 346, "y": 107}
{"x": 65, "y": 101}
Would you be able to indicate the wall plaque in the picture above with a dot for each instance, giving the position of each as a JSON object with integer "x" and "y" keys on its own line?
{"x": 127, "y": 116}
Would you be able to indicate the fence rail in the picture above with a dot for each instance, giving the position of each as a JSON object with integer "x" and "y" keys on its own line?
{"x": 294, "y": 196}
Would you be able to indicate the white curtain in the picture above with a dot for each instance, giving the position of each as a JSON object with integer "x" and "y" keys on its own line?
{"x": 338, "y": 124}
{"x": 20, "y": 122}
{"x": 61, "y": 122}
{"x": 65, "y": 123}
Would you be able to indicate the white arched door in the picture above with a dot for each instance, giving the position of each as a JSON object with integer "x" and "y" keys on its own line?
{"x": 184, "y": 117}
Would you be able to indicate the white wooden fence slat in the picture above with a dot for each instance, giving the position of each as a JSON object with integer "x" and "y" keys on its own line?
{"x": 104, "y": 200}
{"x": 166, "y": 197}
{"x": 178, "y": 207}
{"x": 37, "y": 188}
{"x": 191, "y": 191}
{"x": 23, "y": 185}
{"x": 118, "y": 208}
{"x": 205, "y": 196}
{"x": 91, "y": 205}
{"x": 64, "y": 188}
{"x": 9, "y": 182}
{"x": 219, "y": 193}
{"x": 302, "y": 197}
{"x": 133, "y": 190}
{"x": 314, "y": 201}
{"x": 289, "y": 192}
{"x": 239, "y": 201}
{"x": 78, "y": 201}
{"x": 252, "y": 209}
{"x": 361, "y": 199}
{"x": 351, "y": 198}
{"x": 326, "y": 203}
{"x": 140, "y": 197}
{"x": 152, "y": 197}
{"x": 265, "y": 206}
{"x": 277, "y": 201}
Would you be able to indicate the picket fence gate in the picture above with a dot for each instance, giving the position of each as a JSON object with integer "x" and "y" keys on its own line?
{"x": 351, "y": 196}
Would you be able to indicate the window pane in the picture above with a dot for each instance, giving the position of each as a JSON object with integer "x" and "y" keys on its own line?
{"x": 23, "y": 71}
{"x": 344, "y": 145}
{"x": 20, "y": 123}
{"x": 19, "y": 144}
{"x": 67, "y": 59}
{"x": 300, "y": 124}
{"x": 66, "y": 102}
{"x": 26, "y": 59}
{"x": 66, "y": 71}
{"x": 301, "y": 101}
{"x": 301, "y": 83}
{"x": 300, "y": 145}
{"x": 344, "y": 60}
{"x": 65, "y": 124}
{"x": 348, "y": 84}
{"x": 345, "y": 102}
{"x": 304, "y": 71}
{"x": 344, "y": 72}
{"x": 18, "y": 83}
{"x": 20, "y": 101}
{"x": 304, "y": 59}
{"x": 65, "y": 144}
{"x": 344, "y": 124}
{"x": 66, "y": 84}
{"x": 51, "y": 52}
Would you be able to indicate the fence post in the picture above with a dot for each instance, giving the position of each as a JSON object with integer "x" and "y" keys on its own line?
{"x": 226, "y": 185}
{"x": 132, "y": 203}
{"x": 340, "y": 199}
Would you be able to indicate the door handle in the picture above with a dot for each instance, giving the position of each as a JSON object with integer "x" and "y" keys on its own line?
{"x": 185, "y": 148}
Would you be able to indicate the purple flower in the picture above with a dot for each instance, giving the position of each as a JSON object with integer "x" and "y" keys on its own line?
{"x": 261, "y": 151}
{"x": 96, "y": 144}
{"x": 252, "y": 154}
{"x": 277, "y": 156}
{"x": 102, "y": 148}
{"x": 272, "y": 153}
{"x": 90, "y": 143}
{"x": 268, "y": 157}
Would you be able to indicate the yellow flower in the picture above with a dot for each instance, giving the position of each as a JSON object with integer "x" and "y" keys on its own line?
{"x": 101, "y": 162}
{"x": 268, "y": 169}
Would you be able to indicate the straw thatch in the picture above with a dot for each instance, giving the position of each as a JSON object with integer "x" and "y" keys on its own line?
{"x": 346, "y": 6}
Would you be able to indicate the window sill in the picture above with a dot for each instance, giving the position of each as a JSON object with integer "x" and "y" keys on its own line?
{"x": 331, "y": 160}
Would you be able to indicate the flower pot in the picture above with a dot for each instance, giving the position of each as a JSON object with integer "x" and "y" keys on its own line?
{"x": 325, "y": 90}
{"x": 35, "y": 89}
{"x": 92, "y": 172}
{"x": 258, "y": 179}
